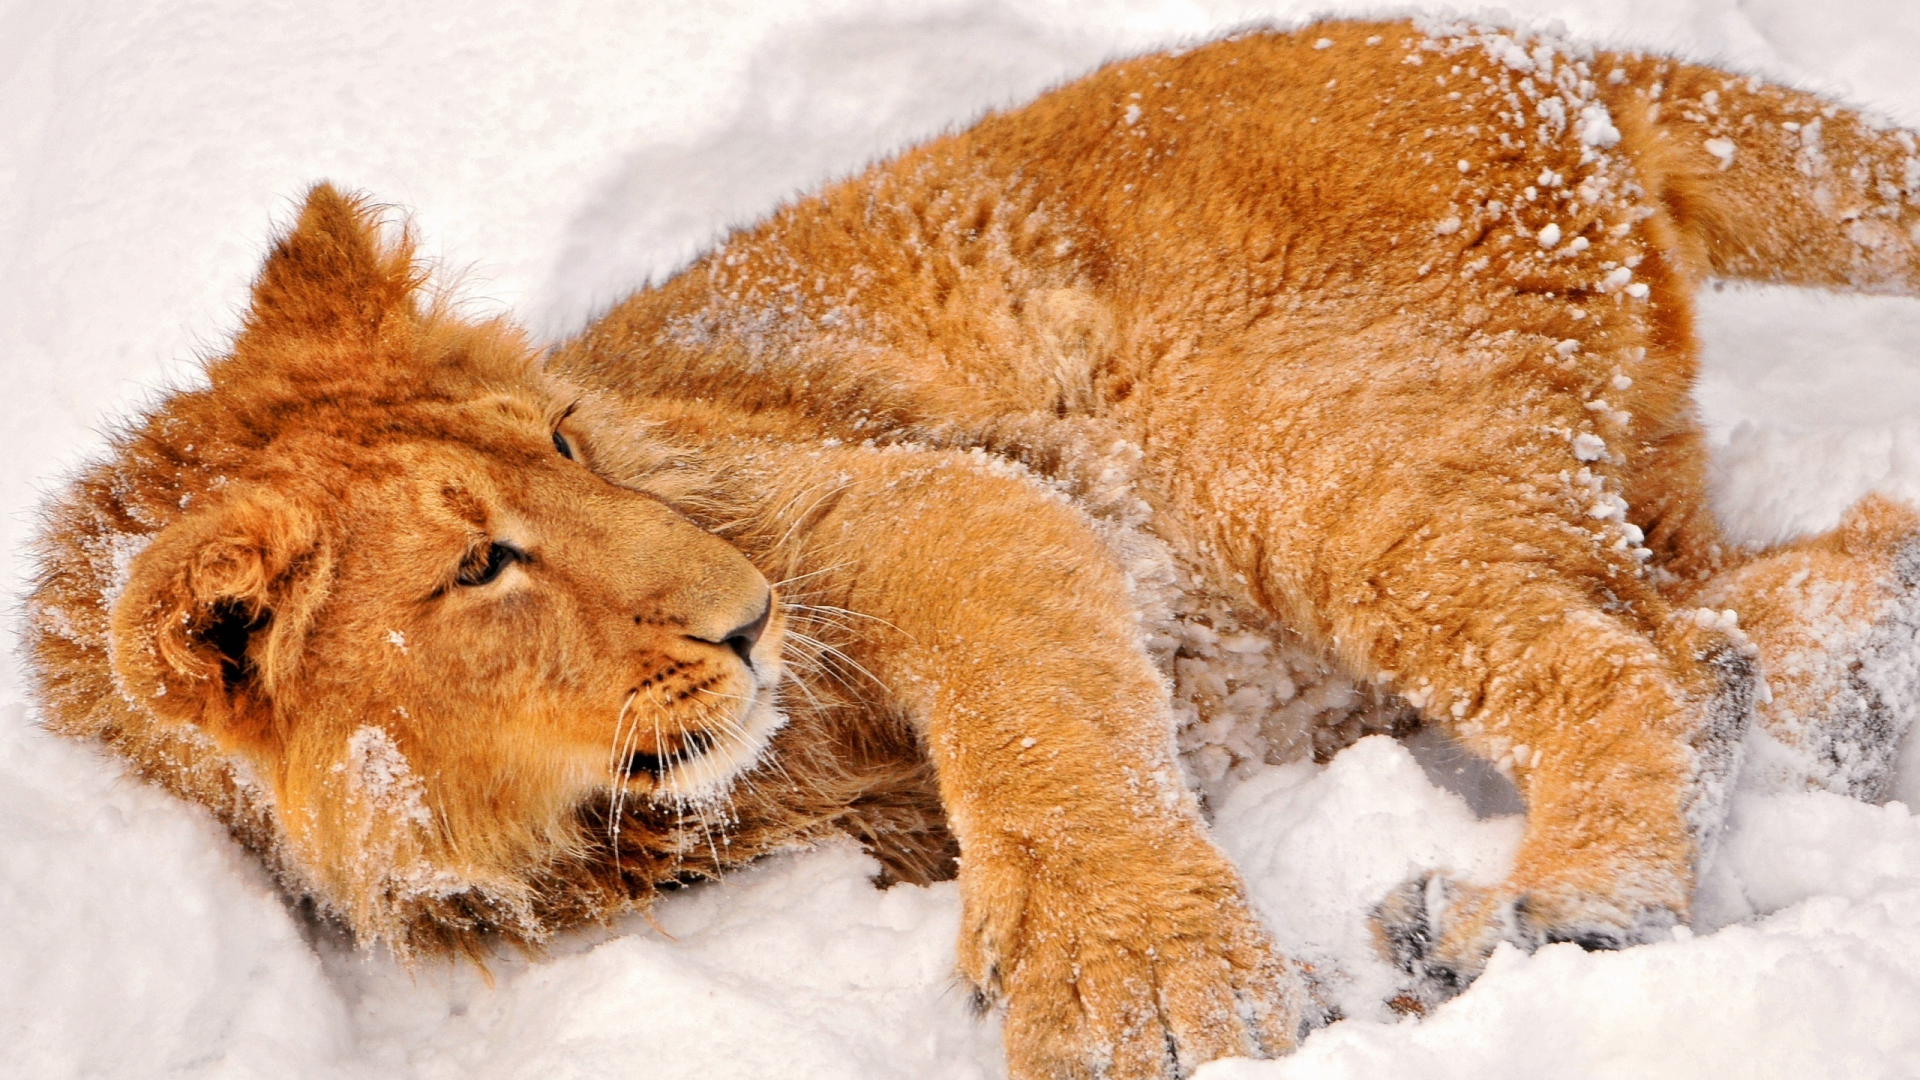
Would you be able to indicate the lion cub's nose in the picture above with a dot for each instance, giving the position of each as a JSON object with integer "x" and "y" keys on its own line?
{"x": 741, "y": 640}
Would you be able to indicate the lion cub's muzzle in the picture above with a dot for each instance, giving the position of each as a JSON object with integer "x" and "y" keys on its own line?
{"x": 721, "y": 714}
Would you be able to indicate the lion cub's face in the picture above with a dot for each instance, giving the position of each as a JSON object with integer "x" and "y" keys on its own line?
{"x": 521, "y": 617}
{"x": 396, "y": 590}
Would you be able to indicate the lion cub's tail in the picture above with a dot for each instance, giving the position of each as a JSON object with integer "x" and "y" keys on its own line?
{"x": 1770, "y": 184}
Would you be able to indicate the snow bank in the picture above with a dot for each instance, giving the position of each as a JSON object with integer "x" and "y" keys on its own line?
{"x": 797, "y": 967}
{"x": 1826, "y": 986}
{"x": 139, "y": 941}
{"x": 1822, "y": 990}
{"x": 555, "y": 159}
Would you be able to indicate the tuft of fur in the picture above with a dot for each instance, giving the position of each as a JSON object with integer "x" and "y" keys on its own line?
{"x": 1277, "y": 390}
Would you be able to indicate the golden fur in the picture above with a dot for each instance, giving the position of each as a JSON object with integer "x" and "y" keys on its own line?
{"x": 1374, "y": 332}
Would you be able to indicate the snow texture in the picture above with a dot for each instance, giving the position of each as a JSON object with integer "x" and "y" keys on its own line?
{"x": 558, "y": 156}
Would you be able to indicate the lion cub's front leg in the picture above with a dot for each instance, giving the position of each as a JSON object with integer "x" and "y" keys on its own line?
{"x": 1119, "y": 939}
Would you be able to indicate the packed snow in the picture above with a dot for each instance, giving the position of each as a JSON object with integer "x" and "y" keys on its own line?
{"x": 557, "y": 156}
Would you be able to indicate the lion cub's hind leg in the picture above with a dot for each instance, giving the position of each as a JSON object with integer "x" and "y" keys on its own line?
{"x": 1837, "y": 622}
{"x": 1620, "y": 737}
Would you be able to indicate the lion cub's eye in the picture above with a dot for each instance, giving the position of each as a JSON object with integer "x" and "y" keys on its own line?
{"x": 483, "y": 564}
{"x": 561, "y": 444}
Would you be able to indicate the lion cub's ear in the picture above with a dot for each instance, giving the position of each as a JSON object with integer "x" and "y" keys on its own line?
{"x": 215, "y": 614}
{"x": 332, "y": 278}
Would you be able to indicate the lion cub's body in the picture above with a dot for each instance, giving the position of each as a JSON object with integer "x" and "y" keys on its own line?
{"x": 1372, "y": 338}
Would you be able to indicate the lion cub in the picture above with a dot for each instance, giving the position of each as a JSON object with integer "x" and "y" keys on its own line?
{"x": 866, "y": 522}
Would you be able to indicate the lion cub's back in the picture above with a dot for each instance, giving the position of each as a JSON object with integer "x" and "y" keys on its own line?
{"x": 1276, "y": 170}
{"x": 1050, "y": 257}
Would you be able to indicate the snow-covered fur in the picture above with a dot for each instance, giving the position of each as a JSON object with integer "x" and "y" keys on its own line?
{"x": 1281, "y": 389}
{"x": 1838, "y": 619}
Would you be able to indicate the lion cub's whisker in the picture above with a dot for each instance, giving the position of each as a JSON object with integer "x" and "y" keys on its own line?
{"x": 840, "y": 613}
{"x": 824, "y": 650}
{"x": 729, "y": 697}
{"x": 786, "y": 581}
{"x": 614, "y": 763}
{"x": 619, "y": 723}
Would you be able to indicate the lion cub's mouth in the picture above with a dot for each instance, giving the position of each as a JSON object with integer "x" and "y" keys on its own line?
{"x": 692, "y": 745}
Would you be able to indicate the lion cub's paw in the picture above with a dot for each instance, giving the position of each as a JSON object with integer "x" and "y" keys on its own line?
{"x": 1442, "y": 931}
{"x": 1128, "y": 983}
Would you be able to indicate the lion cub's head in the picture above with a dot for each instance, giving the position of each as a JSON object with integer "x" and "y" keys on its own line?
{"x": 365, "y": 596}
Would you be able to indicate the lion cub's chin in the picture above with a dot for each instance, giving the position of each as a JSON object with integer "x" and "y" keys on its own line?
{"x": 707, "y": 776}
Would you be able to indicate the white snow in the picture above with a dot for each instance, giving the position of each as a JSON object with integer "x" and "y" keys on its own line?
{"x": 556, "y": 156}
{"x": 1596, "y": 126}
